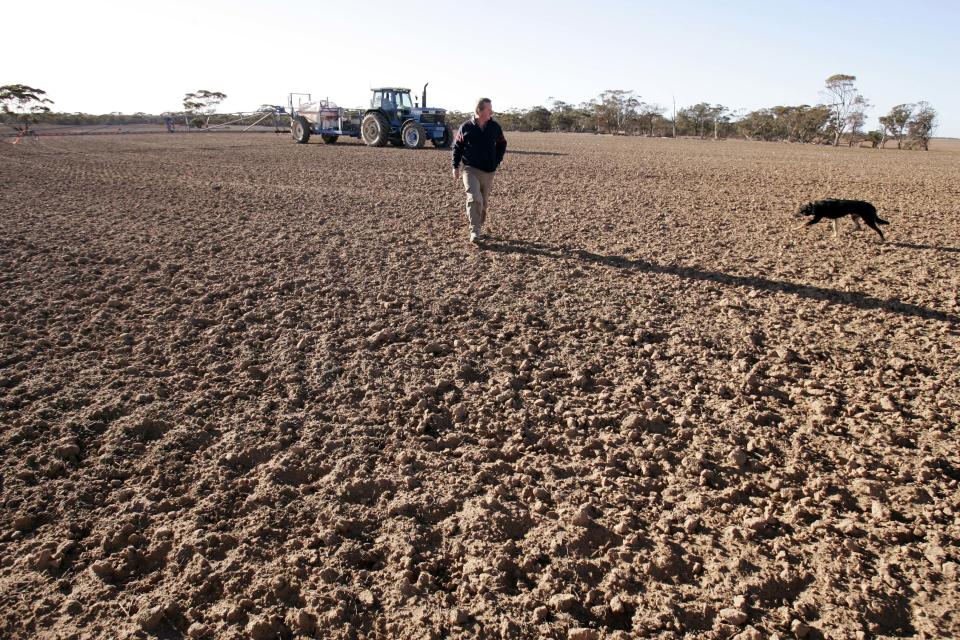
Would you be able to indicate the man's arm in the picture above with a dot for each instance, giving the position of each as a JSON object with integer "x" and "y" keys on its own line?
{"x": 458, "y": 148}
{"x": 501, "y": 146}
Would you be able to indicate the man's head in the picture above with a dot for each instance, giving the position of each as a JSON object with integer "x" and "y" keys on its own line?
{"x": 484, "y": 110}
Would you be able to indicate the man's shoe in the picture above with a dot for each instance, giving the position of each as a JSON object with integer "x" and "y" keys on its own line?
{"x": 474, "y": 237}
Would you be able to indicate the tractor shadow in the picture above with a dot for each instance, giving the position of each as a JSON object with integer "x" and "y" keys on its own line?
{"x": 833, "y": 296}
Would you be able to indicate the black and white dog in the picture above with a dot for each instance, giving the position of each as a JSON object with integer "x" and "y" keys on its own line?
{"x": 834, "y": 209}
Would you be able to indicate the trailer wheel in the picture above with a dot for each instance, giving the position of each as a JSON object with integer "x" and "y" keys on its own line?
{"x": 300, "y": 130}
{"x": 329, "y": 139}
{"x": 374, "y": 130}
{"x": 413, "y": 134}
{"x": 444, "y": 142}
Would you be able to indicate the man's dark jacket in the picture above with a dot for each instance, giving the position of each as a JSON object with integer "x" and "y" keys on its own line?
{"x": 479, "y": 148}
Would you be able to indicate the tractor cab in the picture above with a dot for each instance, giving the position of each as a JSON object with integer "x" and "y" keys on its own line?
{"x": 394, "y": 103}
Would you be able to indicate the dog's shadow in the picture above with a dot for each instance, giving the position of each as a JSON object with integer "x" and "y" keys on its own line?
{"x": 931, "y": 247}
{"x": 835, "y": 296}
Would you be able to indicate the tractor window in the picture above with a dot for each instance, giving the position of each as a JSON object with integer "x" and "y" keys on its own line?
{"x": 403, "y": 100}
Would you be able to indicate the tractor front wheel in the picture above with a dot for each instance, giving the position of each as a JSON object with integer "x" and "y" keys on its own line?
{"x": 375, "y": 130}
{"x": 329, "y": 139}
{"x": 413, "y": 135}
{"x": 444, "y": 142}
{"x": 300, "y": 130}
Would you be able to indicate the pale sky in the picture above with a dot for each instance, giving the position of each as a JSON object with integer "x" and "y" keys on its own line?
{"x": 102, "y": 56}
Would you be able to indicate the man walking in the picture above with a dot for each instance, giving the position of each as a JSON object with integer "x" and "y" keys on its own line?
{"x": 480, "y": 145}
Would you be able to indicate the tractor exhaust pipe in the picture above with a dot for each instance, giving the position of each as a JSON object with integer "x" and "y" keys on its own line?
{"x": 423, "y": 101}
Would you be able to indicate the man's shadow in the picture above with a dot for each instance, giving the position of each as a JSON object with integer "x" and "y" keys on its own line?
{"x": 516, "y": 152}
{"x": 834, "y": 296}
{"x": 536, "y": 153}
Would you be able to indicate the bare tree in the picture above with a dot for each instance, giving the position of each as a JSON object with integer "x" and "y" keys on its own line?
{"x": 718, "y": 113}
{"x": 24, "y": 103}
{"x": 673, "y": 120}
{"x": 843, "y": 98}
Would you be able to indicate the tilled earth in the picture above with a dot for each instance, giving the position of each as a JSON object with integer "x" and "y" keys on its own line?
{"x": 251, "y": 389}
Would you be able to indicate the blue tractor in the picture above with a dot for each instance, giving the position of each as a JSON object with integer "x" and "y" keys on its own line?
{"x": 391, "y": 118}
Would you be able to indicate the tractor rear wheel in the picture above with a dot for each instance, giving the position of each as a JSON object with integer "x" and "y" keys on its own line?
{"x": 300, "y": 130}
{"x": 413, "y": 134}
{"x": 329, "y": 139}
{"x": 375, "y": 130}
{"x": 444, "y": 142}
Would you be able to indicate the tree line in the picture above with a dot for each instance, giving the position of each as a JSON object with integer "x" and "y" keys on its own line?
{"x": 839, "y": 118}
{"x": 23, "y": 105}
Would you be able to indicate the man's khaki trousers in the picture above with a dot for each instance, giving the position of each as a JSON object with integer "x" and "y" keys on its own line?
{"x": 478, "y": 185}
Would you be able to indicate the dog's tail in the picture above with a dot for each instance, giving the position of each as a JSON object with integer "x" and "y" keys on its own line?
{"x": 881, "y": 221}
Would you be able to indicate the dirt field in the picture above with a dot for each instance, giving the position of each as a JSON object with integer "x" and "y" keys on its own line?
{"x": 251, "y": 389}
